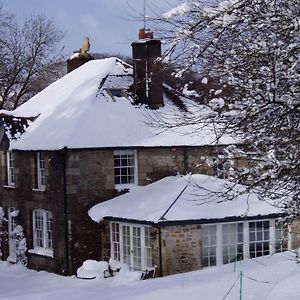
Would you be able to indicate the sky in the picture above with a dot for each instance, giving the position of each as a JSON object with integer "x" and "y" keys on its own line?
{"x": 111, "y": 25}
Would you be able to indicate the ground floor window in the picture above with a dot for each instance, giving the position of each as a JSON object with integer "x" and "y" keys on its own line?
{"x": 259, "y": 238}
{"x": 209, "y": 245}
{"x": 42, "y": 230}
{"x": 228, "y": 242}
{"x": 232, "y": 242}
{"x": 130, "y": 244}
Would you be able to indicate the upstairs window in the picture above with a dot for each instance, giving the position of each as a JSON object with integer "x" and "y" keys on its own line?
{"x": 125, "y": 167}
{"x": 10, "y": 164}
{"x": 41, "y": 179}
{"x": 42, "y": 230}
{"x": 221, "y": 165}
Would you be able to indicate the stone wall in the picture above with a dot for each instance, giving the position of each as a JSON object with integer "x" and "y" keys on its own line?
{"x": 180, "y": 249}
{"x": 89, "y": 178}
{"x": 295, "y": 235}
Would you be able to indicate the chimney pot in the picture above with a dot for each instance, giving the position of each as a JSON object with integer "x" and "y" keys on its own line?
{"x": 145, "y": 34}
{"x": 83, "y": 56}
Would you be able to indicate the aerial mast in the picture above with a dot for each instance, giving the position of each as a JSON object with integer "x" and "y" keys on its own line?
{"x": 145, "y": 14}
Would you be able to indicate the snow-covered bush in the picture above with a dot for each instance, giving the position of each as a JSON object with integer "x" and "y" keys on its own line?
{"x": 21, "y": 246}
{"x": 2, "y": 219}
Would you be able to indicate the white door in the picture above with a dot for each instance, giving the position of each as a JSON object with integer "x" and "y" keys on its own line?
{"x": 11, "y": 242}
{"x": 136, "y": 248}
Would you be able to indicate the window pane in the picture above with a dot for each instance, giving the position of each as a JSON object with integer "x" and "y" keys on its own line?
{"x": 281, "y": 236}
{"x": 131, "y": 252}
{"x": 40, "y": 170}
{"x": 259, "y": 238}
{"x": 126, "y": 244}
{"x": 209, "y": 245}
{"x": 115, "y": 230}
{"x": 232, "y": 242}
{"x": 43, "y": 231}
{"x": 124, "y": 161}
{"x": 10, "y": 168}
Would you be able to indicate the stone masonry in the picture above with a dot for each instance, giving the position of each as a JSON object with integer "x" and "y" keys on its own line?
{"x": 78, "y": 179}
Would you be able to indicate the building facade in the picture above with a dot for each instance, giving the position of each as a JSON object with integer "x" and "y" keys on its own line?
{"x": 87, "y": 138}
{"x": 53, "y": 190}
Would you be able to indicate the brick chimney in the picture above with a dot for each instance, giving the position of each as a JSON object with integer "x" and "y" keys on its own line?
{"x": 79, "y": 57}
{"x": 146, "y": 70}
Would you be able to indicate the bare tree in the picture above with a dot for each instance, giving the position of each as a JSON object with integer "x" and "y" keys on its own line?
{"x": 27, "y": 57}
{"x": 253, "y": 47}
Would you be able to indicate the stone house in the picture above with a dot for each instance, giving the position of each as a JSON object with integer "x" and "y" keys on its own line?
{"x": 85, "y": 139}
{"x": 184, "y": 223}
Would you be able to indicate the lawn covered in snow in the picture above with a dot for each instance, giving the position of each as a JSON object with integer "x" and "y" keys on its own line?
{"x": 274, "y": 277}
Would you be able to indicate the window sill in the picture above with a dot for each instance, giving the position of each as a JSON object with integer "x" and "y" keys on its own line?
{"x": 38, "y": 190}
{"x": 41, "y": 252}
{"x": 122, "y": 187}
{"x": 9, "y": 186}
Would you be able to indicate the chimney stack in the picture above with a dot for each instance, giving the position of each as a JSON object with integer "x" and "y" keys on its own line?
{"x": 146, "y": 53}
{"x": 79, "y": 57}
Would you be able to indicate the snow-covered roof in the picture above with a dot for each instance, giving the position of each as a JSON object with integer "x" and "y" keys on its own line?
{"x": 194, "y": 197}
{"x": 77, "y": 112}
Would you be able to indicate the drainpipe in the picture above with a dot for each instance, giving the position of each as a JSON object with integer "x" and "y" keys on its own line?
{"x": 185, "y": 161}
{"x": 160, "y": 253}
{"x": 160, "y": 264}
{"x": 66, "y": 216}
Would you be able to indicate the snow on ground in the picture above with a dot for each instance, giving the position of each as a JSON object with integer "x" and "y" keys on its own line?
{"x": 274, "y": 277}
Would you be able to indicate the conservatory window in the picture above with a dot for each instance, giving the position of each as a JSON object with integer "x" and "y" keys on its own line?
{"x": 227, "y": 242}
{"x": 259, "y": 238}
{"x": 130, "y": 244}
{"x": 209, "y": 245}
{"x": 115, "y": 237}
{"x": 41, "y": 179}
{"x": 42, "y": 230}
{"x": 232, "y": 242}
{"x": 281, "y": 236}
{"x": 10, "y": 162}
{"x": 125, "y": 167}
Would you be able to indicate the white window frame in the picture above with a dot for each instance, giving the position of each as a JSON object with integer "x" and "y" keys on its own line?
{"x": 273, "y": 241}
{"x": 235, "y": 241}
{"x": 41, "y": 178}
{"x": 261, "y": 238}
{"x": 10, "y": 168}
{"x": 117, "y": 247}
{"x": 209, "y": 250}
{"x": 282, "y": 237}
{"x": 135, "y": 166}
{"x": 44, "y": 243}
